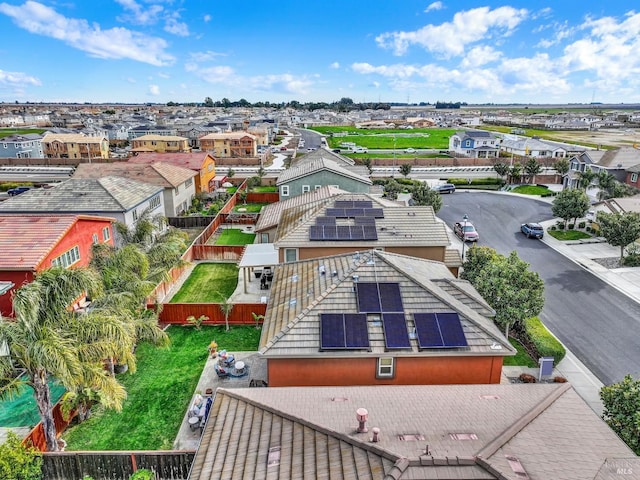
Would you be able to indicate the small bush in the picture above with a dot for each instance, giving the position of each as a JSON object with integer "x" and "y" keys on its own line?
{"x": 588, "y": 229}
{"x": 143, "y": 474}
{"x": 560, "y": 226}
{"x": 19, "y": 462}
{"x": 552, "y": 227}
{"x": 582, "y": 224}
{"x": 559, "y": 380}
{"x": 546, "y": 344}
{"x": 526, "y": 378}
{"x": 571, "y": 226}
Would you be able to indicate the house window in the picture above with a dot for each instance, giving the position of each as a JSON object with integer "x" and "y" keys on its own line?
{"x": 95, "y": 238}
{"x": 154, "y": 202}
{"x": 306, "y": 188}
{"x": 188, "y": 183}
{"x": 135, "y": 215}
{"x": 264, "y": 238}
{"x": 290, "y": 254}
{"x": 176, "y": 191}
{"x": 106, "y": 233}
{"x": 284, "y": 190}
{"x": 634, "y": 177}
{"x": 317, "y": 187}
{"x": 386, "y": 367}
{"x": 67, "y": 259}
{"x": 210, "y": 167}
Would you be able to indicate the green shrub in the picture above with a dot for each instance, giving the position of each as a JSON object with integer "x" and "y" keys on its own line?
{"x": 560, "y": 226}
{"x": 582, "y": 224}
{"x": 18, "y": 462}
{"x": 9, "y": 185}
{"x": 143, "y": 474}
{"x": 545, "y": 343}
{"x": 571, "y": 226}
{"x": 588, "y": 229}
{"x": 475, "y": 181}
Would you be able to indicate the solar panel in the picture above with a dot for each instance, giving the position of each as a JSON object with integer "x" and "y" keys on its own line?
{"x": 362, "y": 204}
{"x": 354, "y": 212}
{"x": 343, "y": 204}
{"x": 330, "y": 232}
{"x": 365, "y": 221}
{"x": 451, "y": 330}
{"x": 357, "y": 232}
{"x": 343, "y": 331}
{"x": 335, "y": 212}
{"x": 368, "y": 299}
{"x": 325, "y": 220}
{"x": 316, "y": 232}
{"x": 343, "y": 232}
{"x": 439, "y": 330}
{"x": 370, "y": 232}
{"x": 374, "y": 212}
{"x": 390, "y": 297}
{"x": 395, "y": 331}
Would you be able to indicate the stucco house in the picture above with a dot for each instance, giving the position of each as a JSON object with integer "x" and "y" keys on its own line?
{"x": 475, "y": 144}
{"x": 178, "y": 182}
{"x": 160, "y": 144}
{"x": 378, "y": 318}
{"x": 615, "y": 162}
{"x": 32, "y": 243}
{"x": 230, "y": 144}
{"x": 200, "y": 162}
{"x": 74, "y": 145}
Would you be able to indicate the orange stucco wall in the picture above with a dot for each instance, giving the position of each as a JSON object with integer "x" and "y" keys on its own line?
{"x": 362, "y": 371}
{"x": 207, "y": 173}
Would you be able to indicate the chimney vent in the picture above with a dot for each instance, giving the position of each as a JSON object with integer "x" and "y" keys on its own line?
{"x": 376, "y": 435}
{"x": 362, "y": 415}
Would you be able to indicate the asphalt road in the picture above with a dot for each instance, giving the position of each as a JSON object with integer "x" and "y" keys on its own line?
{"x": 599, "y": 324}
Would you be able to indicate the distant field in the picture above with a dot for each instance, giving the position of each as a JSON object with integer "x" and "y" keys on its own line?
{"x": 5, "y": 132}
{"x": 399, "y": 139}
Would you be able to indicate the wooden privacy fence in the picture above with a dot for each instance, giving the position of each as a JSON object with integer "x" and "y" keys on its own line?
{"x": 177, "y": 313}
{"x": 36, "y": 435}
{"x": 263, "y": 197}
{"x": 116, "y": 465}
{"x": 191, "y": 221}
{"x": 222, "y": 253}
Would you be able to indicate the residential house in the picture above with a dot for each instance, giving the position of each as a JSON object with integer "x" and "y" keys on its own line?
{"x": 28, "y": 145}
{"x": 335, "y": 225}
{"x": 475, "y": 144}
{"x": 632, "y": 176}
{"x": 314, "y": 173}
{"x": 200, "y": 162}
{"x": 538, "y": 148}
{"x": 615, "y": 162}
{"x": 177, "y": 182}
{"x": 32, "y": 243}
{"x": 160, "y": 144}
{"x": 74, "y": 145}
{"x": 120, "y": 198}
{"x": 378, "y": 318}
{"x": 230, "y": 144}
{"x": 454, "y": 432}
{"x": 141, "y": 130}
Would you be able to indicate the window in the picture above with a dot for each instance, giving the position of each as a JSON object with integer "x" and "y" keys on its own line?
{"x": 306, "y": 188}
{"x": 290, "y": 254}
{"x": 95, "y": 238}
{"x": 154, "y": 202}
{"x": 386, "y": 367}
{"x": 188, "y": 183}
{"x": 264, "y": 238}
{"x": 317, "y": 187}
{"x": 210, "y": 167}
{"x": 284, "y": 190}
{"x": 67, "y": 259}
{"x": 135, "y": 215}
{"x": 634, "y": 177}
{"x": 176, "y": 191}
{"x": 106, "y": 233}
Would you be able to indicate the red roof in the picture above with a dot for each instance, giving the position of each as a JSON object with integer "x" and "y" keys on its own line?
{"x": 194, "y": 161}
{"x": 26, "y": 240}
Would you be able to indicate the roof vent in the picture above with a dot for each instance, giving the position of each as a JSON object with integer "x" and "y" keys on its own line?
{"x": 334, "y": 273}
{"x": 376, "y": 435}
{"x": 362, "y": 415}
{"x": 410, "y": 437}
{"x": 355, "y": 278}
{"x": 517, "y": 467}
{"x": 322, "y": 270}
{"x": 339, "y": 399}
{"x": 273, "y": 458}
{"x": 463, "y": 436}
{"x": 490, "y": 397}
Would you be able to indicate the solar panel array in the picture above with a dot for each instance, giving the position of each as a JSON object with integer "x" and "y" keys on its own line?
{"x": 396, "y": 335}
{"x": 354, "y": 212}
{"x": 343, "y": 232}
{"x": 325, "y": 220}
{"x": 439, "y": 330}
{"x": 344, "y": 331}
{"x": 379, "y": 297}
{"x": 353, "y": 204}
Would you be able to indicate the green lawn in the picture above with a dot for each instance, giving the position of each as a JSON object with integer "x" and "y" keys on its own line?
{"x": 568, "y": 234}
{"x": 5, "y": 132}
{"x": 265, "y": 189}
{"x": 384, "y": 138}
{"x": 530, "y": 190}
{"x": 521, "y": 359}
{"x": 235, "y": 236}
{"x": 249, "y": 207}
{"x": 158, "y": 394}
{"x": 208, "y": 283}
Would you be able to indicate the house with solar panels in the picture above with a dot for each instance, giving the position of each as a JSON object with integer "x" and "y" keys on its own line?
{"x": 351, "y": 223}
{"x": 378, "y": 318}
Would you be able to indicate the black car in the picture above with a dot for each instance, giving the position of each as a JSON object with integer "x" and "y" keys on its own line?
{"x": 534, "y": 230}
{"x": 445, "y": 188}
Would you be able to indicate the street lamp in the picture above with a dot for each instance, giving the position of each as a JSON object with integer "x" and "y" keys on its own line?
{"x": 394, "y": 156}
{"x": 464, "y": 229}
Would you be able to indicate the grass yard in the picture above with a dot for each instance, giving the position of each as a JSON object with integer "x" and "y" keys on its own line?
{"x": 399, "y": 139}
{"x": 235, "y": 236}
{"x": 208, "y": 283}
{"x": 568, "y": 234}
{"x": 521, "y": 359}
{"x": 249, "y": 207}
{"x": 158, "y": 394}
{"x": 530, "y": 190}
{"x": 5, "y": 132}
{"x": 265, "y": 189}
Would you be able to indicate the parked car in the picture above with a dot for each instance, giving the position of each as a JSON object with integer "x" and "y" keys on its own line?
{"x": 409, "y": 150}
{"x": 534, "y": 230}
{"x": 445, "y": 188}
{"x": 466, "y": 231}
{"x": 17, "y": 191}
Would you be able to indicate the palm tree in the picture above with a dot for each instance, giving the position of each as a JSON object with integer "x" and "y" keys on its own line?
{"x": 515, "y": 172}
{"x": 606, "y": 182}
{"x": 226, "y": 306}
{"x": 585, "y": 178}
{"x": 532, "y": 168}
{"x": 48, "y": 340}
{"x": 405, "y": 169}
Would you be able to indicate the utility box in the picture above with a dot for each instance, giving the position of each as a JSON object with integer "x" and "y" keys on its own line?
{"x": 546, "y": 367}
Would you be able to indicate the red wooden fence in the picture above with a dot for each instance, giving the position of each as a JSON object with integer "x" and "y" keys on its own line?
{"x": 264, "y": 197}
{"x": 177, "y": 313}
{"x": 36, "y": 435}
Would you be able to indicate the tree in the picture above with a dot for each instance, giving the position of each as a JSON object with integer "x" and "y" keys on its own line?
{"x": 586, "y": 177}
{"x": 532, "y": 168}
{"x": 606, "y": 184}
{"x": 392, "y": 189}
{"x": 621, "y": 401}
{"x": 476, "y": 259}
{"x": 367, "y": 163}
{"x": 562, "y": 166}
{"x": 513, "y": 291}
{"x": 619, "y": 229}
{"x": 405, "y": 169}
{"x": 226, "y": 306}
{"x": 515, "y": 172}
{"x": 19, "y": 462}
{"x": 423, "y": 195}
{"x": 230, "y": 172}
{"x": 570, "y": 203}
{"x": 47, "y": 340}
{"x": 501, "y": 169}
{"x": 208, "y": 102}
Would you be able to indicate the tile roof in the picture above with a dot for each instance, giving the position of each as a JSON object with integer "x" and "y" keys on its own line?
{"x": 437, "y": 432}
{"x": 71, "y": 138}
{"x": 402, "y": 226}
{"x": 26, "y": 240}
{"x": 228, "y": 135}
{"x": 79, "y": 195}
{"x": 300, "y": 293}
{"x": 193, "y": 161}
{"x": 304, "y": 169}
{"x": 161, "y": 174}
{"x": 160, "y": 138}
{"x": 620, "y": 158}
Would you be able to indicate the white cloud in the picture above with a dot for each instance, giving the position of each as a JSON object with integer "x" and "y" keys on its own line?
{"x": 164, "y": 75}
{"x": 175, "y": 27}
{"x": 434, "y": 6}
{"x": 138, "y": 14}
{"x": 207, "y": 18}
{"x": 114, "y": 43}
{"x": 205, "y": 56}
{"x": 334, "y": 65}
{"x": 154, "y": 90}
{"x": 451, "y": 38}
{"x": 18, "y": 79}
{"x": 480, "y": 55}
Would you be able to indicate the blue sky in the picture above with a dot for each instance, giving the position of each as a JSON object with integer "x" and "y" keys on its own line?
{"x": 376, "y": 50}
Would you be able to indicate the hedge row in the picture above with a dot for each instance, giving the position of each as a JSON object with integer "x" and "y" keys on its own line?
{"x": 475, "y": 181}
{"x": 9, "y": 185}
{"x": 545, "y": 343}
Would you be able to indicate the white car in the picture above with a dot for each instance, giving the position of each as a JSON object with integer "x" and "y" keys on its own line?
{"x": 409, "y": 150}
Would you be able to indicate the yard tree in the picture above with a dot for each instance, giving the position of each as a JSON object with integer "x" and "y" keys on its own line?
{"x": 515, "y": 172}
{"x": 562, "y": 166}
{"x": 570, "y": 203}
{"x": 391, "y": 189}
{"x": 367, "y": 163}
{"x": 532, "y": 168}
{"x": 422, "y": 195}
{"x": 606, "y": 184}
{"x": 476, "y": 259}
{"x": 405, "y": 169}
{"x": 513, "y": 291}
{"x": 586, "y": 177}
{"x": 501, "y": 169}
{"x": 225, "y": 307}
{"x": 621, "y": 403}
{"x": 48, "y": 340}
{"x": 619, "y": 229}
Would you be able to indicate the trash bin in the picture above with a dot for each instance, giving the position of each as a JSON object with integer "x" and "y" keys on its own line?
{"x": 546, "y": 367}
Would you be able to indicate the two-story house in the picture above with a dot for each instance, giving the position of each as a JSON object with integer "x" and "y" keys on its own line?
{"x": 74, "y": 145}
{"x": 230, "y": 144}
{"x": 200, "y": 162}
{"x": 475, "y": 144}
{"x": 160, "y": 144}
{"x": 21, "y": 146}
{"x": 615, "y": 162}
